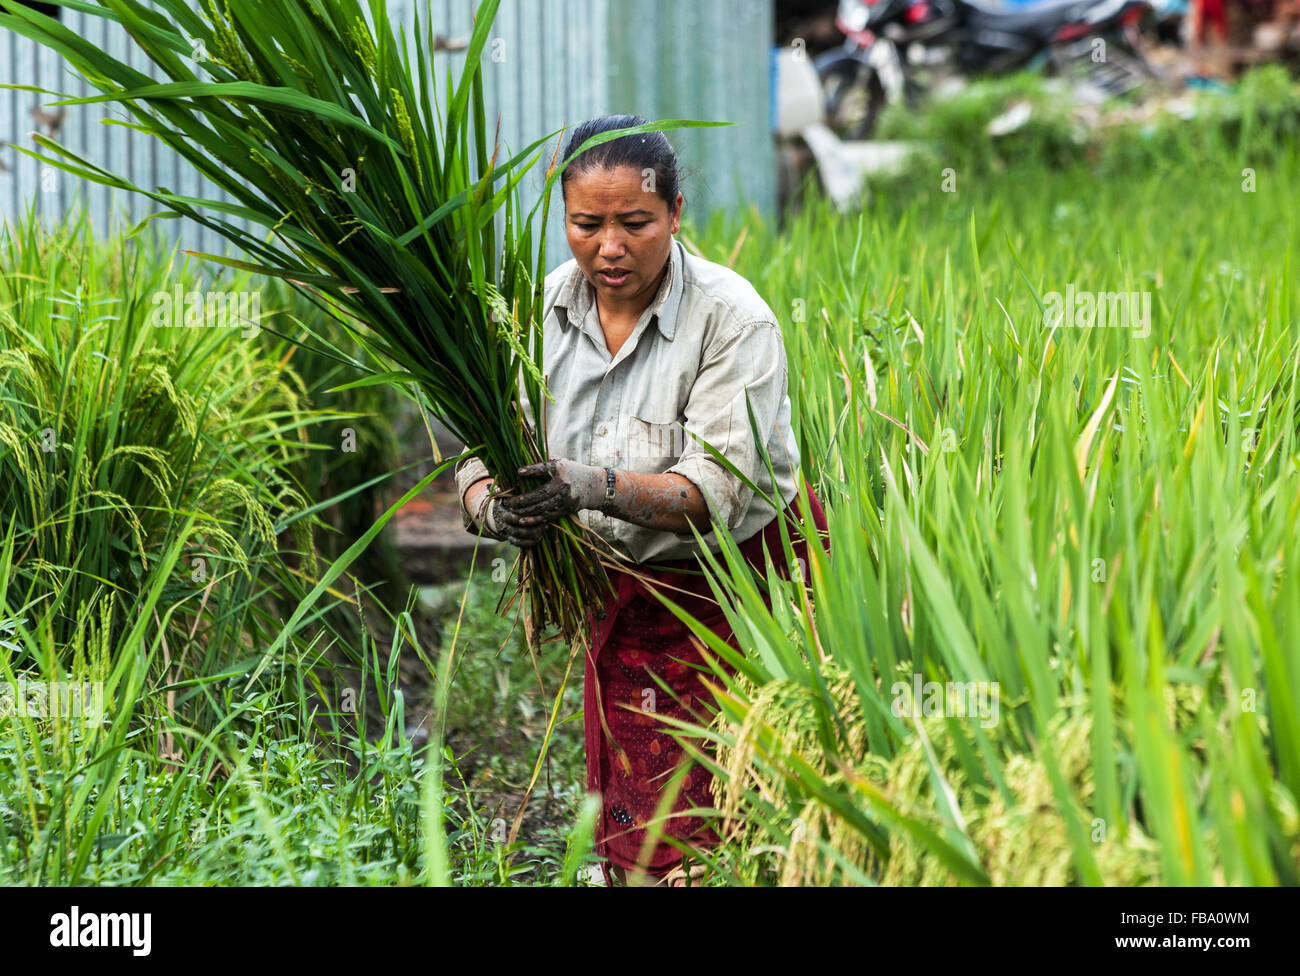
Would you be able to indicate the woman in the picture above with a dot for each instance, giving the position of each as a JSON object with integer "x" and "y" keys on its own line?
{"x": 650, "y": 352}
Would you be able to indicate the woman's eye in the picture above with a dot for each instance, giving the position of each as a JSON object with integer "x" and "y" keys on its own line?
{"x": 636, "y": 224}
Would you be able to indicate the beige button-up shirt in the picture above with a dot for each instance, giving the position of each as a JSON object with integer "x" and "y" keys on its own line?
{"x": 705, "y": 341}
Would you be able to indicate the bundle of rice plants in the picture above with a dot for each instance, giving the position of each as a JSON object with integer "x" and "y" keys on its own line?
{"x": 379, "y": 192}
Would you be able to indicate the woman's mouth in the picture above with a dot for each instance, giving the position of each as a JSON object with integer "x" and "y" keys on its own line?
{"x": 614, "y": 276}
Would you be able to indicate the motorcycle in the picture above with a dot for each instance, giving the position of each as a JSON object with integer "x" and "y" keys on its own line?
{"x": 865, "y": 72}
{"x": 886, "y": 41}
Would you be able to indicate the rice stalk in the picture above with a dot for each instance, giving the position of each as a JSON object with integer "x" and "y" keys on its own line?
{"x": 375, "y": 182}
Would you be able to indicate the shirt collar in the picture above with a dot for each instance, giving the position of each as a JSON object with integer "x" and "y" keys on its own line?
{"x": 576, "y": 296}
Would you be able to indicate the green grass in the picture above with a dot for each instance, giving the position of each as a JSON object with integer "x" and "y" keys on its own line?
{"x": 114, "y": 433}
{"x": 1259, "y": 117}
{"x": 1100, "y": 522}
{"x": 373, "y": 186}
{"x": 198, "y": 771}
{"x": 299, "y": 790}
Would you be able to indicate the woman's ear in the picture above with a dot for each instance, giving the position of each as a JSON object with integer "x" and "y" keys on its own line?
{"x": 676, "y": 213}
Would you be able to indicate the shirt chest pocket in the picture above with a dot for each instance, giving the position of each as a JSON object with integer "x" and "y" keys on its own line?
{"x": 655, "y": 439}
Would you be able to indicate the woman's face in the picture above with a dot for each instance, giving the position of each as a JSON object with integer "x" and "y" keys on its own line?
{"x": 620, "y": 231}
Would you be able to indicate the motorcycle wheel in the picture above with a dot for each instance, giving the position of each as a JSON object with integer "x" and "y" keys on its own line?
{"x": 1122, "y": 70}
{"x": 854, "y": 98}
{"x": 1132, "y": 42}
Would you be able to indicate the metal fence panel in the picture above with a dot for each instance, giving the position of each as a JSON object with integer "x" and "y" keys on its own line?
{"x": 687, "y": 59}
{"x": 550, "y": 63}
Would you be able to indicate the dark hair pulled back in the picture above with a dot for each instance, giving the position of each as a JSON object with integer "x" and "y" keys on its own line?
{"x": 642, "y": 151}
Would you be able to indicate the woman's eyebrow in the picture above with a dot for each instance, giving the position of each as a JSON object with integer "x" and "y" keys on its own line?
{"x": 624, "y": 215}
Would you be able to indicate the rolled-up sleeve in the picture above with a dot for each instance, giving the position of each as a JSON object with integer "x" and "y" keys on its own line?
{"x": 468, "y": 471}
{"x": 749, "y": 358}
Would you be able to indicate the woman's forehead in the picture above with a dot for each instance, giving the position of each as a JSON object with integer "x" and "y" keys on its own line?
{"x": 611, "y": 186}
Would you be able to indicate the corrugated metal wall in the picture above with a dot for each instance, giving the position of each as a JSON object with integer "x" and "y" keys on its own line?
{"x": 551, "y": 63}
{"x": 702, "y": 59}
{"x": 52, "y": 192}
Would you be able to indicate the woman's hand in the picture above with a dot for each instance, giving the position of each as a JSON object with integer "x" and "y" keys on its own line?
{"x": 571, "y": 487}
{"x": 664, "y": 502}
{"x": 498, "y": 522}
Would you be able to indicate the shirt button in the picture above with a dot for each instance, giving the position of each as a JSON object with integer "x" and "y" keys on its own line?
{"x": 602, "y": 430}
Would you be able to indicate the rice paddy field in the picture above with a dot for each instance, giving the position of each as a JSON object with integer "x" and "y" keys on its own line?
{"x": 1046, "y": 388}
{"x": 1099, "y": 521}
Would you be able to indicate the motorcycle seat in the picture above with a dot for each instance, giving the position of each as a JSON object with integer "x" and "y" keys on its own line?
{"x": 1039, "y": 19}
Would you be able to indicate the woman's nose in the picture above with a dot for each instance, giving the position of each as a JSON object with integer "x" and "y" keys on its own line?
{"x": 611, "y": 243}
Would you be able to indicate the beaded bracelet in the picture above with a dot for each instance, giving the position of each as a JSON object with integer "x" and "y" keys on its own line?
{"x": 609, "y": 488}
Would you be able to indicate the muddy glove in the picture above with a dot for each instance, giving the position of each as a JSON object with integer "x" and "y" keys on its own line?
{"x": 498, "y": 523}
{"x": 571, "y": 488}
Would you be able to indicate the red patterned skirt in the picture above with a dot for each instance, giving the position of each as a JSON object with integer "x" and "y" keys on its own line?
{"x": 631, "y": 755}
